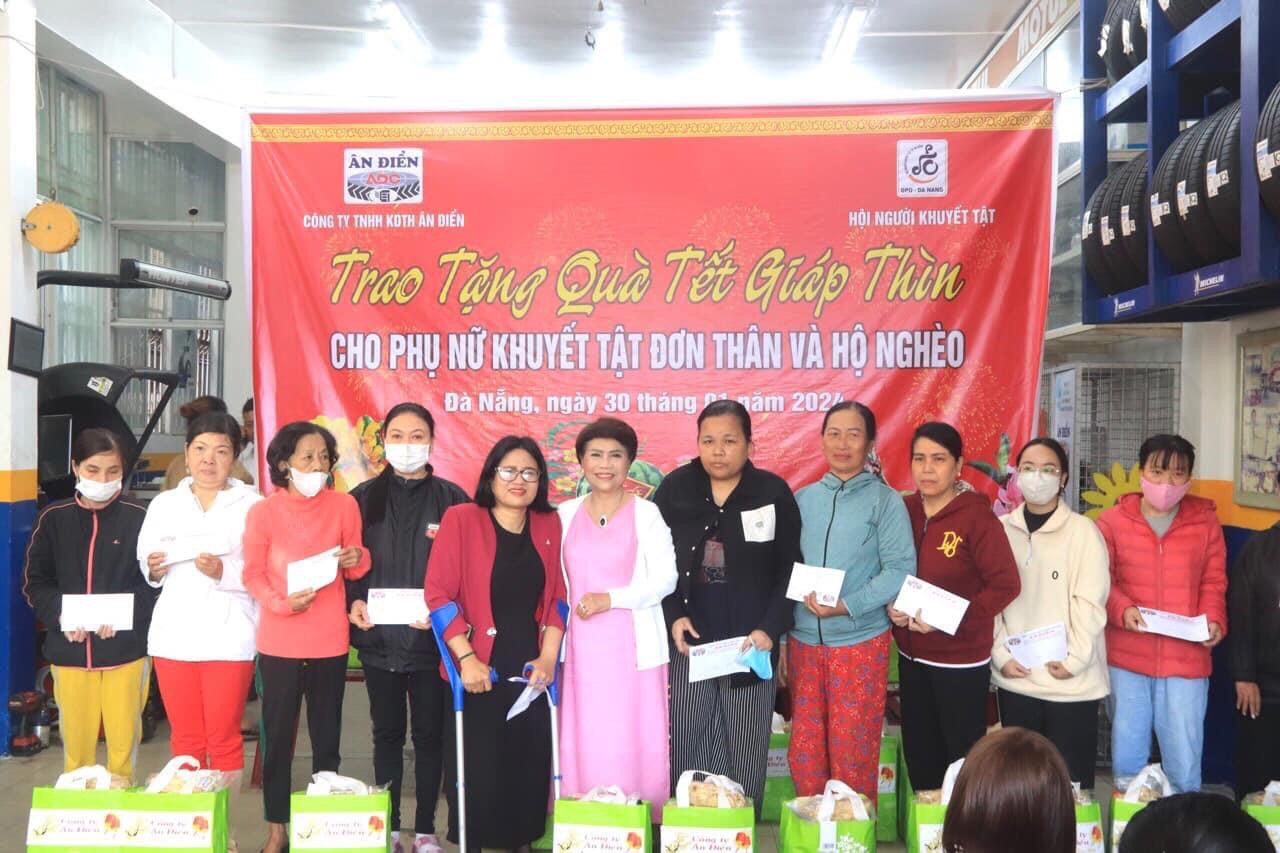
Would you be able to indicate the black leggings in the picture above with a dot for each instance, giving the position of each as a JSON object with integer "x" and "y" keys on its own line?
{"x": 284, "y": 682}
{"x": 944, "y": 712}
{"x": 1071, "y": 726}
{"x": 426, "y": 693}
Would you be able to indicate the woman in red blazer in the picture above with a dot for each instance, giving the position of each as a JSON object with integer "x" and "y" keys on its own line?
{"x": 499, "y": 560}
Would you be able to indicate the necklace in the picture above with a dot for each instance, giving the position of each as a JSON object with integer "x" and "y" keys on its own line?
{"x": 602, "y": 518}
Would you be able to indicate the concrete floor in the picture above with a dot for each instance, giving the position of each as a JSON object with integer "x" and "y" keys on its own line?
{"x": 19, "y": 775}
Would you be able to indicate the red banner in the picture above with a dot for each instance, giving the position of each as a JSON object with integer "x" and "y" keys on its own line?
{"x": 529, "y": 272}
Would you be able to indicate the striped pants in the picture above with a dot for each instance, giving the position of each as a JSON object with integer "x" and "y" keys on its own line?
{"x": 720, "y": 729}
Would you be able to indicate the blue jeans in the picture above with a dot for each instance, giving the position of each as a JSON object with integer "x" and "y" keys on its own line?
{"x": 1175, "y": 707}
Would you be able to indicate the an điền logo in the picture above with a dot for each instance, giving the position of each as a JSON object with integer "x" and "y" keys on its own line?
{"x": 382, "y": 175}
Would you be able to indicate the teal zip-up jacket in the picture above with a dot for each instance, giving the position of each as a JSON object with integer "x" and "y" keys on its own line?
{"x": 860, "y": 526}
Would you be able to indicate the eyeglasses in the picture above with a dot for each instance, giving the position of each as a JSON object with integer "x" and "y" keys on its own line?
{"x": 507, "y": 474}
{"x": 1048, "y": 470}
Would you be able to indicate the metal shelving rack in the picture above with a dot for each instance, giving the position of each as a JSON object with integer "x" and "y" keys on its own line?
{"x": 1232, "y": 46}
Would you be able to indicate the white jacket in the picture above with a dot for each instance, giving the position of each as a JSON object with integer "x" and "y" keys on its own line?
{"x": 197, "y": 618}
{"x": 1065, "y": 571}
{"x": 653, "y": 579}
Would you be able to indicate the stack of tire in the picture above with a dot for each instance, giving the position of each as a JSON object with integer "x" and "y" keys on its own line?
{"x": 1195, "y": 194}
{"x": 1122, "y": 43}
{"x": 1182, "y": 12}
{"x": 1267, "y": 153}
{"x": 1113, "y": 234}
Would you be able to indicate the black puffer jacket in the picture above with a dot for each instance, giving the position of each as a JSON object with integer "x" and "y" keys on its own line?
{"x": 400, "y": 518}
{"x": 77, "y": 551}
{"x": 1253, "y": 595}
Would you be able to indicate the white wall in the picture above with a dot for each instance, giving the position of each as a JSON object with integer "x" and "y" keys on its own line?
{"x": 237, "y": 360}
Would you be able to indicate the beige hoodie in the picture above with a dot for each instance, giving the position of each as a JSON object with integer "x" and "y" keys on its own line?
{"x": 1065, "y": 578}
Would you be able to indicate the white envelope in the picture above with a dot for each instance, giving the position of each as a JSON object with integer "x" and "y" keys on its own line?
{"x": 712, "y": 660}
{"x": 180, "y": 549}
{"x": 1194, "y": 629}
{"x": 825, "y": 582}
{"x": 1039, "y": 646}
{"x": 938, "y": 608}
{"x": 91, "y": 612}
{"x": 758, "y": 524}
{"x": 313, "y": 572}
{"x": 389, "y": 606}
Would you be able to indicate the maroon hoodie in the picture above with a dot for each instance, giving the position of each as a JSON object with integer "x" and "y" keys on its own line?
{"x": 964, "y": 550}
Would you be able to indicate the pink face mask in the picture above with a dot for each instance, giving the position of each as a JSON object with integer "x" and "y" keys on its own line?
{"x": 1164, "y": 496}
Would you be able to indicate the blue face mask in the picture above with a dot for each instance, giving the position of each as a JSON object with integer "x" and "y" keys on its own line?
{"x": 757, "y": 661}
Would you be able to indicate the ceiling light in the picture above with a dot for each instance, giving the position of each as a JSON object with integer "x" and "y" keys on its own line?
{"x": 842, "y": 41}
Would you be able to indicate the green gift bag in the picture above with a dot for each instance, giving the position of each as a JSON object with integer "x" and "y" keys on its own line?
{"x": 68, "y": 821}
{"x": 606, "y": 827}
{"x": 686, "y": 828}
{"x": 1269, "y": 817}
{"x": 924, "y": 826}
{"x": 1089, "y": 828}
{"x": 799, "y": 835}
{"x": 156, "y": 822}
{"x": 778, "y": 787}
{"x": 1122, "y": 811}
{"x": 887, "y": 795}
{"x": 905, "y": 792}
{"x": 351, "y": 823}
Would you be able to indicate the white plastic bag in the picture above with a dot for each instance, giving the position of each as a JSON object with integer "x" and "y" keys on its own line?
{"x": 327, "y": 782}
{"x": 1152, "y": 776}
{"x": 837, "y": 790}
{"x": 610, "y": 794}
{"x": 724, "y": 786}
{"x": 79, "y": 779}
{"x": 949, "y": 780}
{"x": 1271, "y": 794}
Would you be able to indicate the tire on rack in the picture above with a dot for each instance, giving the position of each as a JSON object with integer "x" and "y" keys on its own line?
{"x": 1091, "y": 240}
{"x": 1110, "y": 43}
{"x": 1222, "y": 179}
{"x": 1134, "y": 217}
{"x": 1266, "y": 153}
{"x": 1192, "y": 192}
{"x": 1166, "y": 226}
{"x": 1181, "y": 12}
{"x": 1133, "y": 33}
{"x": 1124, "y": 273}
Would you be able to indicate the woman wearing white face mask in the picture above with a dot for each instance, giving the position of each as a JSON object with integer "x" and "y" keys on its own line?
{"x": 86, "y": 545}
{"x": 400, "y": 511}
{"x": 302, "y": 633}
{"x": 1062, "y": 563}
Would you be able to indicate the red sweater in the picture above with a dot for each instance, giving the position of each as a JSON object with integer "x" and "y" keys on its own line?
{"x": 1185, "y": 572}
{"x": 287, "y": 527}
{"x": 460, "y": 570}
{"x": 964, "y": 550}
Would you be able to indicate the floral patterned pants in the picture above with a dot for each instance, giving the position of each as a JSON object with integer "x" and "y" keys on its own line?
{"x": 837, "y": 699}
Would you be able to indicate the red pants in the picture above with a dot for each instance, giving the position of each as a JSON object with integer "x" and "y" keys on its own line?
{"x": 204, "y": 701}
{"x": 837, "y": 699}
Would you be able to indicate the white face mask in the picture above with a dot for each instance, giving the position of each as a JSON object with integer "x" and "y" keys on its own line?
{"x": 95, "y": 490}
{"x": 1038, "y": 487}
{"x": 310, "y": 483}
{"x": 408, "y": 458}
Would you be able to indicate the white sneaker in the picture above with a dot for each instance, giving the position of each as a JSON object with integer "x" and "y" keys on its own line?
{"x": 426, "y": 844}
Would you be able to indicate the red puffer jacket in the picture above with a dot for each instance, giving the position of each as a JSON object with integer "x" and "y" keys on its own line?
{"x": 1185, "y": 572}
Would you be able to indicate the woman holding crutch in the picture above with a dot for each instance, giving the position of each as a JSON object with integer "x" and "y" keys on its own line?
{"x": 498, "y": 560}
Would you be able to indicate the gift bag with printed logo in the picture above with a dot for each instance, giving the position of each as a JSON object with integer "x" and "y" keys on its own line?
{"x": 928, "y": 812}
{"x": 778, "y": 787}
{"x": 838, "y": 821}
{"x": 1089, "y": 827}
{"x": 196, "y": 821}
{"x": 1149, "y": 784}
{"x": 728, "y": 827}
{"x": 66, "y": 821}
{"x": 1264, "y": 807}
{"x": 604, "y": 820}
{"x": 352, "y": 823}
{"x": 887, "y": 794}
